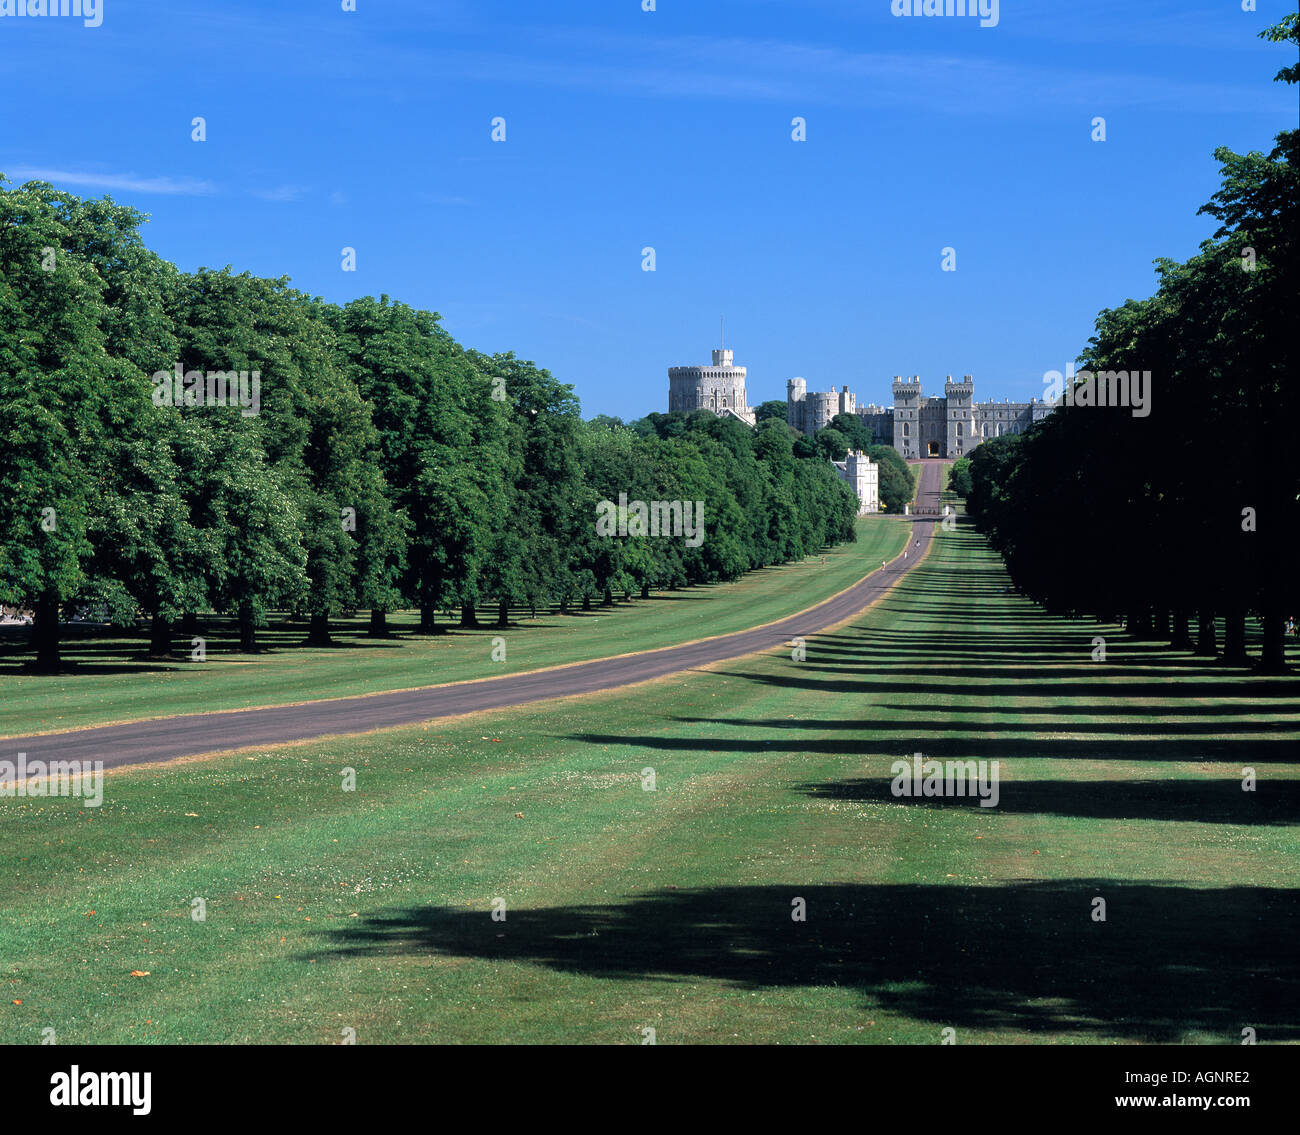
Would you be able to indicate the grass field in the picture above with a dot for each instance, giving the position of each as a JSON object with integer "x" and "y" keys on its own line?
{"x": 113, "y": 680}
{"x": 670, "y": 909}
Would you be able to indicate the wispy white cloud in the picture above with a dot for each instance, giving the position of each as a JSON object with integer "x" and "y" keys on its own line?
{"x": 127, "y": 182}
{"x": 744, "y": 69}
{"x": 280, "y": 193}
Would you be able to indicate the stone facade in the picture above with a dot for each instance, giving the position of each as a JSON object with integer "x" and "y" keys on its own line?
{"x": 809, "y": 413}
{"x": 955, "y": 424}
{"x": 863, "y": 477}
{"x": 918, "y": 425}
{"x": 719, "y": 388}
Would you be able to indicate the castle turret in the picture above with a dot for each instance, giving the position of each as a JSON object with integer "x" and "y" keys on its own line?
{"x": 960, "y": 426}
{"x": 907, "y": 403}
{"x": 796, "y": 390}
{"x": 719, "y": 388}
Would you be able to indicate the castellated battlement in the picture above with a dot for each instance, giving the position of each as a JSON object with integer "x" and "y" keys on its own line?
{"x": 719, "y": 388}
{"x": 809, "y": 413}
{"x": 918, "y": 425}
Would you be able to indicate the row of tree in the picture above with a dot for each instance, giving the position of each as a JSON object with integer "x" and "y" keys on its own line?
{"x": 373, "y": 464}
{"x": 1192, "y": 512}
{"x": 833, "y": 442}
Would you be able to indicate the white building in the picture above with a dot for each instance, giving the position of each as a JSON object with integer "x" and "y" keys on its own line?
{"x": 863, "y": 477}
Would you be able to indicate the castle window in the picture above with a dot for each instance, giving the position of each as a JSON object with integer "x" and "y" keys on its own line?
{"x": 959, "y": 433}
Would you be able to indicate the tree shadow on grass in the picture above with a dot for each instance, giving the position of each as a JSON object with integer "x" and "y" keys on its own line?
{"x": 1242, "y": 751}
{"x": 1275, "y": 802}
{"x": 1023, "y": 956}
{"x": 1026, "y": 681}
{"x": 1197, "y": 733}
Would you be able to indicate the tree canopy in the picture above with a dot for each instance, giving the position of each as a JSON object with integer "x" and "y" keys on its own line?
{"x": 177, "y": 443}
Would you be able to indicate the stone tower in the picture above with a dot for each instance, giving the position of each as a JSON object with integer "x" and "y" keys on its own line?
{"x": 960, "y": 433}
{"x": 907, "y": 406}
{"x": 719, "y": 388}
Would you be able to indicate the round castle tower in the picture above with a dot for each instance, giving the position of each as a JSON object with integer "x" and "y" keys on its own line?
{"x": 719, "y": 388}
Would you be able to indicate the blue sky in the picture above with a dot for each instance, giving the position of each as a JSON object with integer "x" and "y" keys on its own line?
{"x": 670, "y": 129}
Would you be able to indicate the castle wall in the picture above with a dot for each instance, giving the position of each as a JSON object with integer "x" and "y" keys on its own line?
{"x": 918, "y": 425}
{"x": 809, "y": 413}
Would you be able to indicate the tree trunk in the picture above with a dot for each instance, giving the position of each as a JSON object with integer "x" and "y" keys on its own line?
{"x": 503, "y": 613}
{"x": 564, "y": 604}
{"x": 45, "y": 633}
{"x": 1138, "y": 626}
{"x": 1234, "y": 639}
{"x": 160, "y": 637}
{"x": 378, "y": 624}
{"x": 429, "y": 619}
{"x": 468, "y": 616}
{"x": 608, "y": 601}
{"x": 645, "y": 591}
{"x": 1206, "y": 637}
{"x": 1272, "y": 659}
{"x": 247, "y": 629}
{"x": 190, "y": 624}
{"x": 1180, "y": 637}
{"x": 586, "y": 602}
{"x": 1160, "y": 624}
{"x": 318, "y": 630}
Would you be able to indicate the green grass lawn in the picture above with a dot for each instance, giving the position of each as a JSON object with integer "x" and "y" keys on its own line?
{"x": 113, "y": 680}
{"x": 671, "y": 909}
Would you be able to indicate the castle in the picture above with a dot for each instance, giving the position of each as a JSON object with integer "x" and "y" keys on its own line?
{"x": 720, "y": 388}
{"x": 918, "y": 425}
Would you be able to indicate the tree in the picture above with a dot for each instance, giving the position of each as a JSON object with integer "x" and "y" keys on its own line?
{"x": 959, "y": 477}
{"x": 1199, "y": 539}
{"x": 857, "y": 431}
{"x": 832, "y": 444}
{"x": 60, "y": 390}
{"x": 773, "y": 409}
